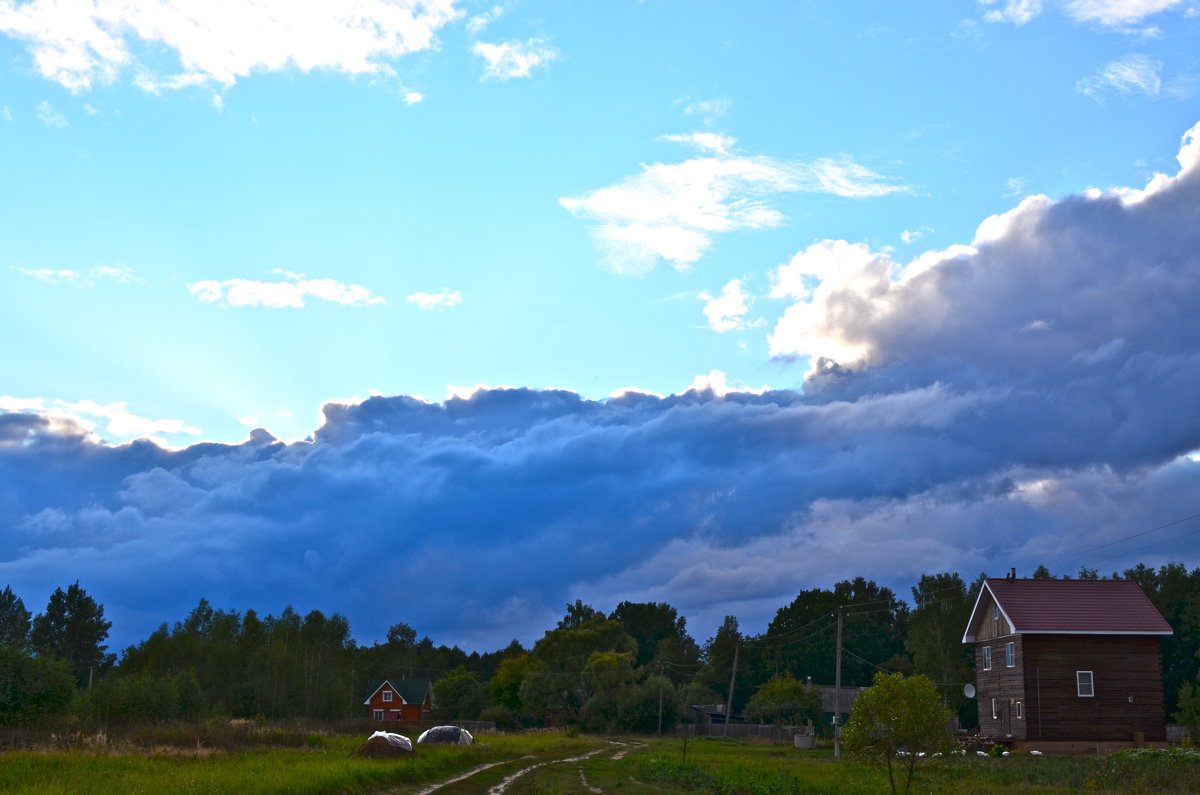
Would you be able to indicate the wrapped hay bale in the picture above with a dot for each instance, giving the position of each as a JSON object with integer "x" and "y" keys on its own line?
{"x": 384, "y": 745}
{"x": 446, "y": 734}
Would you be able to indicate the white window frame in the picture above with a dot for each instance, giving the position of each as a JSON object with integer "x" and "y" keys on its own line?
{"x": 987, "y": 658}
{"x": 378, "y": 714}
{"x": 1079, "y": 684}
{"x": 387, "y": 695}
{"x": 995, "y": 712}
{"x": 1020, "y": 711}
{"x": 995, "y": 611}
{"x": 1010, "y": 655}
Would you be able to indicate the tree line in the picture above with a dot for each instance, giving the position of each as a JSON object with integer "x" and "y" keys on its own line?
{"x": 636, "y": 668}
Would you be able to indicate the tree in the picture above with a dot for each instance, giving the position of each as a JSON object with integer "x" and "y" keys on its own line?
{"x": 785, "y": 701}
{"x": 73, "y": 629}
{"x": 31, "y": 688}
{"x": 579, "y": 614}
{"x": 460, "y": 695}
{"x": 935, "y": 628}
{"x": 14, "y": 621}
{"x": 661, "y": 633}
{"x": 897, "y": 721}
{"x": 1042, "y": 573}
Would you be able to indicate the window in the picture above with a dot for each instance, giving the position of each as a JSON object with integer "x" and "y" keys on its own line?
{"x": 996, "y": 611}
{"x": 378, "y": 714}
{"x": 1083, "y": 684}
{"x": 995, "y": 714}
{"x": 387, "y": 695}
{"x": 987, "y": 658}
{"x": 1020, "y": 710}
{"x": 1010, "y": 657}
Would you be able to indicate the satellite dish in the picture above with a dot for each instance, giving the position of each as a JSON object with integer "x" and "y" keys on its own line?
{"x": 969, "y": 690}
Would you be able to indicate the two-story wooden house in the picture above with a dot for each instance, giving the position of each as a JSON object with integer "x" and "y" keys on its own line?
{"x": 408, "y": 700}
{"x": 1067, "y": 661}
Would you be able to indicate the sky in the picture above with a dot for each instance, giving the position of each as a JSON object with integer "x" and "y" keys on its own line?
{"x": 453, "y": 312}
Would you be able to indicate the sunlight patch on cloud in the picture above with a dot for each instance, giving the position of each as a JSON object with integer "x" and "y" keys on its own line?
{"x": 508, "y": 59}
{"x": 672, "y": 212}
{"x": 1133, "y": 74}
{"x": 79, "y": 45}
{"x": 718, "y": 382}
{"x": 292, "y": 293}
{"x": 443, "y": 299}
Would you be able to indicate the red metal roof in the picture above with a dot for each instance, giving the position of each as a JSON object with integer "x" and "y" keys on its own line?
{"x": 1093, "y": 607}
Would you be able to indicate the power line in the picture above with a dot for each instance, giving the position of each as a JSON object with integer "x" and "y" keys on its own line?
{"x": 1126, "y": 538}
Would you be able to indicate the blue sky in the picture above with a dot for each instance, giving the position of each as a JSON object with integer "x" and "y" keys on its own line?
{"x": 916, "y": 236}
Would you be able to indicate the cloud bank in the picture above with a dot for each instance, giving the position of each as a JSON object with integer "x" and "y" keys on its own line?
{"x": 1009, "y": 403}
{"x": 79, "y": 44}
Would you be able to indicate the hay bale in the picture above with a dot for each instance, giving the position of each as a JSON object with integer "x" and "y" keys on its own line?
{"x": 446, "y": 734}
{"x": 384, "y": 745}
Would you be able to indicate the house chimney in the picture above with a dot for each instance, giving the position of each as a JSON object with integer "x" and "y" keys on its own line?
{"x": 1014, "y": 572}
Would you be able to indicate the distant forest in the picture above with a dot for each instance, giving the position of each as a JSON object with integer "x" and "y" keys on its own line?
{"x": 633, "y": 669}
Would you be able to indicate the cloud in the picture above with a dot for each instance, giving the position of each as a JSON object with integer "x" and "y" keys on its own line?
{"x": 79, "y": 46}
{"x": 413, "y": 97}
{"x": 1013, "y": 402}
{"x": 443, "y": 299}
{"x": 710, "y": 110}
{"x": 1111, "y": 13}
{"x": 6, "y": 114}
{"x": 704, "y": 141}
{"x": 725, "y": 311}
{"x": 1133, "y": 74}
{"x": 86, "y": 415}
{"x": 508, "y": 59}
{"x": 672, "y": 212}
{"x": 293, "y": 292}
{"x": 121, "y": 274}
{"x": 477, "y": 23}
{"x": 49, "y": 116}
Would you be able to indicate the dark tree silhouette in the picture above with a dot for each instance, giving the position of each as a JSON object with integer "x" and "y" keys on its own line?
{"x": 73, "y": 629}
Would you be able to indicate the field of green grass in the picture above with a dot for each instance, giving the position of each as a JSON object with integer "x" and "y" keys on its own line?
{"x": 548, "y": 762}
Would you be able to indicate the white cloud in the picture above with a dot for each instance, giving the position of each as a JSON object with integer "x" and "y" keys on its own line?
{"x": 913, "y": 235}
{"x": 413, "y": 97}
{"x": 49, "y": 116}
{"x": 1133, "y": 74}
{"x": 119, "y": 421}
{"x": 443, "y": 299}
{"x": 709, "y": 109}
{"x": 725, "y": 311}
{"x": 122, "y": 274}
{"x": 1101, "y": 277}
{"x": 704, "y": 141}
{"x": 77, "y": 45}
{"x": 1016, "y": 11}
{"x": 1112, "y": 13}
{"x": 1015, "y": 186}
{"x": 509, "y": 59}
{"x": 477, "y": 23}
{"x": 6, "y": 114}
{"x": 672, "y": 212}
{"x": 292, "y": 293}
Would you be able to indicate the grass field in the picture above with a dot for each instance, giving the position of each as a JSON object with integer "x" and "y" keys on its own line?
{"x": 558, "y": 763}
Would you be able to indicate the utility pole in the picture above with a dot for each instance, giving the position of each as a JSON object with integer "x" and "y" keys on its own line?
{"x": 660, "y": 696}
{"x": 837, "y": 692}
{"x": 732, "y": 678}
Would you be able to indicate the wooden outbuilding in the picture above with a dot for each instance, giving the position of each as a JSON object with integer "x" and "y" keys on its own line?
{"x": 408, "y": 700}
{"x": 1068, "y": 662}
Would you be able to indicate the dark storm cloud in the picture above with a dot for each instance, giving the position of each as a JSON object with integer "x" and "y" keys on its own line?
{"x": 1014, "y": 404}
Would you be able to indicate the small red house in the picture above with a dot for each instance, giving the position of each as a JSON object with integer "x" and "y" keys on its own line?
{"x": 400, "y": 700}
{"x": 1067, "y": 661}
